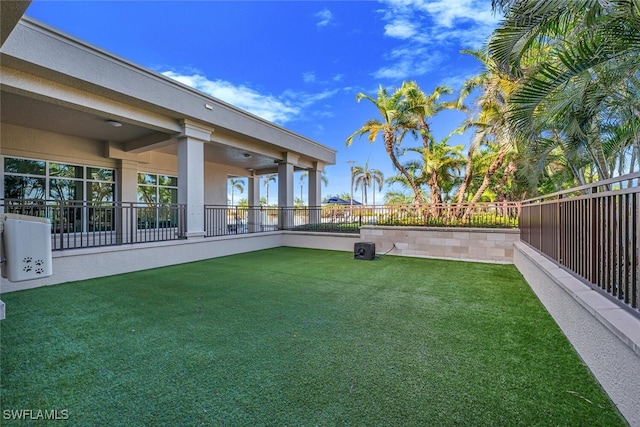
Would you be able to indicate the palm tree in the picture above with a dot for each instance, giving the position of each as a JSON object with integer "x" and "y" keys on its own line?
{"x": 236, "y": 184}
{"x": 441, "y": 164}
{"x": 397, "y": 198}
{"x": 302, "y": 177}
{"x": 414, "y": 168}
{"x": 396, "y": 121}
{"x": 489, "y": 122}
{"x": 365, "y": 177}
{"x": 589, "y": 63}
{"x": 269, "y": 178}
{"x": 422, "y": 106}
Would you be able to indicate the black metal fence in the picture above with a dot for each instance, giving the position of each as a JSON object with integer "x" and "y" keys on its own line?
{"x": 78, "y": 224}
{"x": 222, "y": 220}
{"x": 348, "y": 218}
{"x": 226, "y": 220}
{"x": 592, "y": 231}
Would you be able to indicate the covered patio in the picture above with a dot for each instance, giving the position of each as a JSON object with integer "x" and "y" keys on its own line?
{"x": 84, "y": 127}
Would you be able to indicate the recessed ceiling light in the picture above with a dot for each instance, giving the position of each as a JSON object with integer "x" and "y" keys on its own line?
{"x": 208, "y": 106}
{"x": 114, "y": 123}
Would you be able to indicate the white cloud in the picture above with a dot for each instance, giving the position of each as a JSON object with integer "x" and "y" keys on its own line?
{"x": 448, "y": 13}
{"x": 281, "y": 109}
{"x": 308, "y": 99}
{"x": 407, "y": 63}
{"x": 467, "y": 21}
{"x": 400, "y": 29}
{"x": 309, "y": 77}
{"x": 425, "y": 26}
{"x": 325, "y": 16}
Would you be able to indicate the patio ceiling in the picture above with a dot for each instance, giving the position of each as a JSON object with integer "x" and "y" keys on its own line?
{"x": 35, "y": 113}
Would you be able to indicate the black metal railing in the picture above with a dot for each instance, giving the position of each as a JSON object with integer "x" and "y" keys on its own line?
{"x": 220, "y": 220}
{"x": 350, "y": 218}
{"x": 592, "y": 231}
{"x": 227, "y": 220}
{"x": 79, "y": 224}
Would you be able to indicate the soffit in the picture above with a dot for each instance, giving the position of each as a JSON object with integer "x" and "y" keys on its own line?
{"x": 50, "y": 117}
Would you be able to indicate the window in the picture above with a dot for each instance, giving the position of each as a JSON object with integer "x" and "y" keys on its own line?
{"x": 157, "y": 188}
{"x": 27, "y": 180}
{"x": 158, "y": 192}
{"x": 35, "y": 179}
{"x": 24, "y": 179}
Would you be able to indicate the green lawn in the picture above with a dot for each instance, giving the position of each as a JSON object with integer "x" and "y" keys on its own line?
{"x": 295, "y": 337}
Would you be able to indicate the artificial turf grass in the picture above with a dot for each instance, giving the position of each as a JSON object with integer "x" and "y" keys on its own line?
{"x": 297, "y": 337}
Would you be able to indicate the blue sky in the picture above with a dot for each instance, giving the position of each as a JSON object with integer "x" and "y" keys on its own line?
{"x": 299, "y": 64}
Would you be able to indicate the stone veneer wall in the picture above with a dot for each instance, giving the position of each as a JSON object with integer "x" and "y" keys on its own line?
{"x": 469, "y": 244}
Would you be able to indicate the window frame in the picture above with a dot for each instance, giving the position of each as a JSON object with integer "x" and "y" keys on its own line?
{"x": 87, "y": 178}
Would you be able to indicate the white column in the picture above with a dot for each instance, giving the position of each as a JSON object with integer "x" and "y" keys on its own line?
{"x": 285, "y": 191}
{"x": 315, "y": 185}
{"x": 191, "y": 177}
{"x": 315, "y": 196}
{"x": 254, "y": 203}
{"x": 127, "y": 181}
{"x": 127, "y": 193}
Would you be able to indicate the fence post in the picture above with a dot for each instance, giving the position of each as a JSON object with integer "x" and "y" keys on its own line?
{"x": 593, "y": 238}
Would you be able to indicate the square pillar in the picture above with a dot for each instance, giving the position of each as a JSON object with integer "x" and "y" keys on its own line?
{"x": 254, "y": 204}
{"x": 315, "y": 196}
{"x": 191, "y": 177}
{"x": 315, "y": 184}
{"x": 127, "y": 196}
{"x": 285, "y": 191}
{"x": 127, "y": 181}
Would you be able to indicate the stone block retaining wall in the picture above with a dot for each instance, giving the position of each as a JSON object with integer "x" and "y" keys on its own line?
{"x": 469, "y": 244}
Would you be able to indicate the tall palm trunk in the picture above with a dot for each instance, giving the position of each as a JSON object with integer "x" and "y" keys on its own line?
{"x": 364, "y": 192}
{"x": 389, "y": 143}
{"x": 425, "y": 132}
{"x": 502, "y": 153}
{"x": 267, "y": 188}
{"x": 436, "y": 194}
{"x": 508, "y": 172}
{"x": 466, "y": 181}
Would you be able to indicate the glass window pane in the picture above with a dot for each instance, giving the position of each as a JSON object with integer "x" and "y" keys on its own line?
{"x": 145, "y": 178}
{"x": 23, "y": 187}
{"x": 100, "y": 192}
{"x": 170, "y": 181}
{"x": 168, "y": 195}
{"x": 31, "y": 167}
{"x": 65, "y": 189}
{"x": 66, "y": 171}
{"x": 146, "y": 194}
{"x": 99, "y": 174}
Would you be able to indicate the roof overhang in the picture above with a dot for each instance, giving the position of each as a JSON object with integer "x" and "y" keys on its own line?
{"x": 10, "y": 13}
